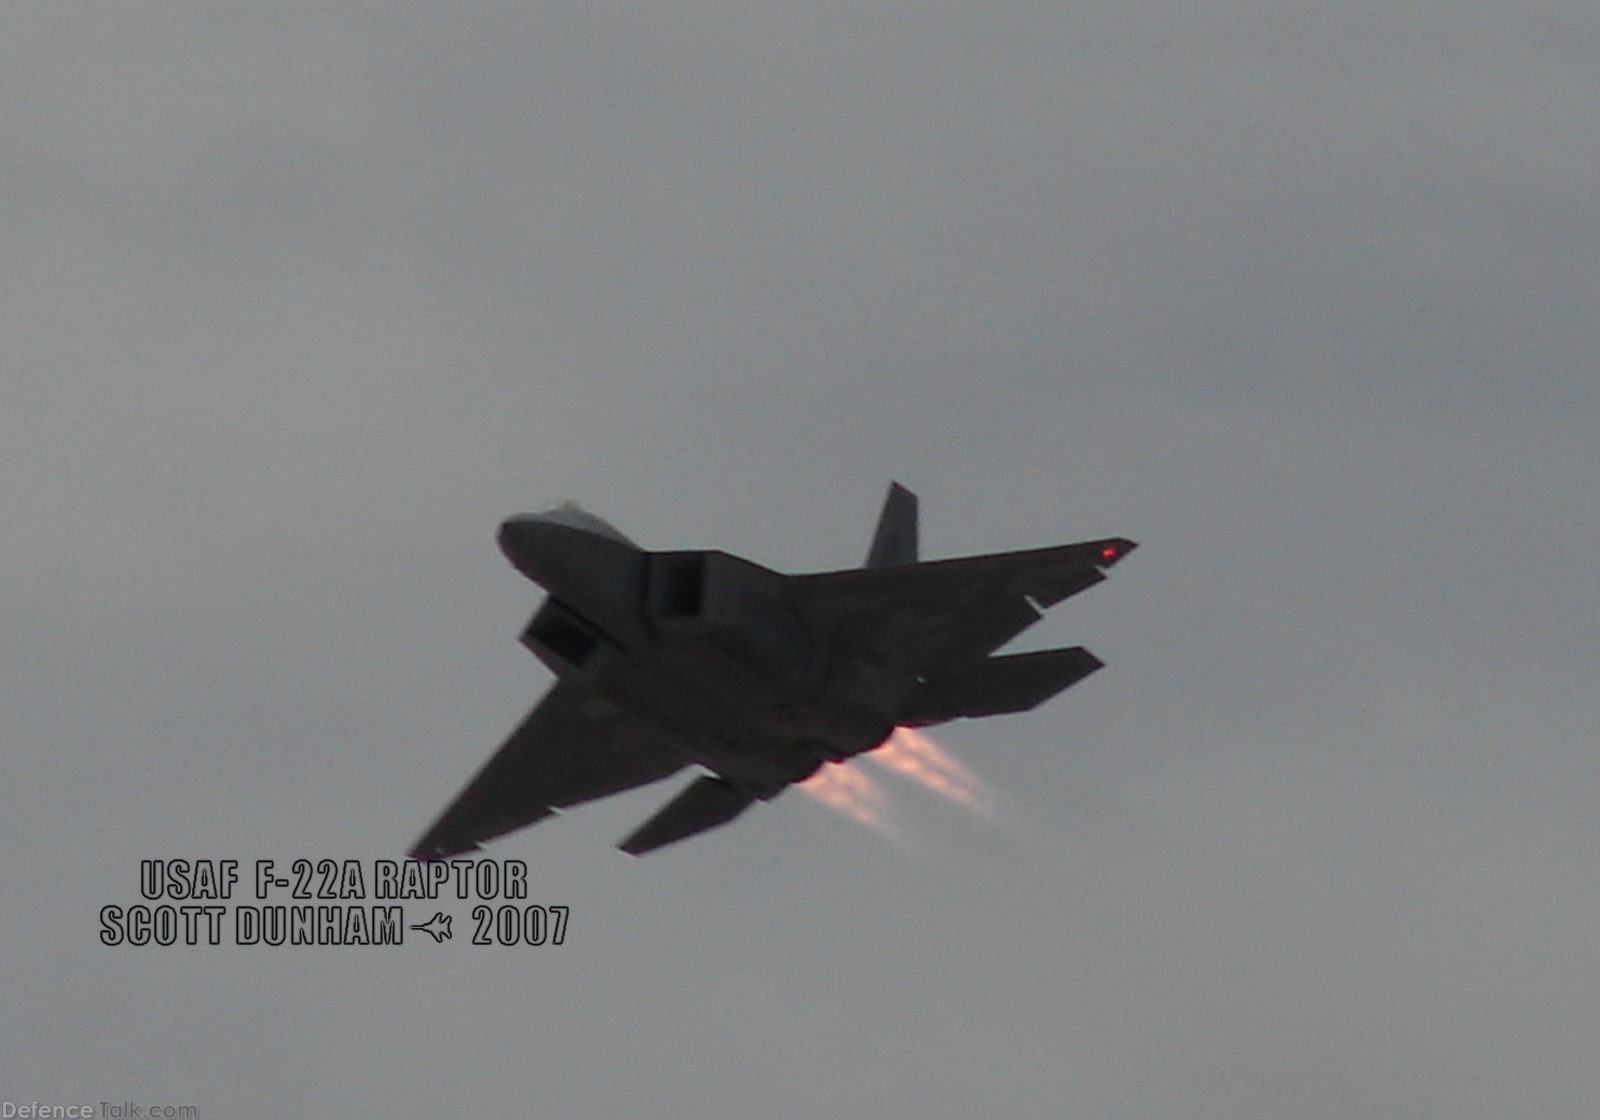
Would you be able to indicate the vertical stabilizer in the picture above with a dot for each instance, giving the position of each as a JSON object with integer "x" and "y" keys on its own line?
{"x": 895, "y": 542}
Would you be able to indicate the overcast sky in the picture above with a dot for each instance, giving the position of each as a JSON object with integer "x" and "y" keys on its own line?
{"x": 297, "y": 306}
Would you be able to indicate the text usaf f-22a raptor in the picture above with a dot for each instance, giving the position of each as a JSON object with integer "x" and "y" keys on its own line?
{"x": 672, "y": 659}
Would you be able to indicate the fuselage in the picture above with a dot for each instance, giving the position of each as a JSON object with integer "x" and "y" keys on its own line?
{"x": 709, "y": 648}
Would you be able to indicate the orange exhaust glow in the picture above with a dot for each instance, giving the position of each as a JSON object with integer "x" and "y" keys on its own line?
{"x": 842, "y": 787}
{"x": 910, "y": 752}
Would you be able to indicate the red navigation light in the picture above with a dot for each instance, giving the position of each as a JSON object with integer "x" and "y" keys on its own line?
{"x": 1108, "y": 552}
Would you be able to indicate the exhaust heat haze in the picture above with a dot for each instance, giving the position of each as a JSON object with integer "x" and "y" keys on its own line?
{"x": 910, "y": 752}
{"x": 845, "y": 788}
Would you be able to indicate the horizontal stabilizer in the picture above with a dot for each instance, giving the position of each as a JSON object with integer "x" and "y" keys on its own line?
{"x": 995, "y": 685}
{"x": 705, "y": 804}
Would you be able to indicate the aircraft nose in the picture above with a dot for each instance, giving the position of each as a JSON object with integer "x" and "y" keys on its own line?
{"x": 516, "y": 537}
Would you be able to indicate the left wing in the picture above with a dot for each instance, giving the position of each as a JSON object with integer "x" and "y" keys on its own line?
{"x": 574, "y": 746}
{"x": 941, "y": 614}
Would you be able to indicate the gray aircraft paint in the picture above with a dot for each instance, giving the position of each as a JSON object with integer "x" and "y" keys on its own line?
{"x": 671, "y": 659}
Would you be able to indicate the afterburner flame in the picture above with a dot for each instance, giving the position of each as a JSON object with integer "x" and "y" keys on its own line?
{"x": 910, "y": 752}
{"x": 848, "y": 789}
{"x": 842, "y": 787}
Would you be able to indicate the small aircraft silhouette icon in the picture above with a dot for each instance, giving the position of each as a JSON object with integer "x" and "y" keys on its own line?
{"x": 438, "y": 926}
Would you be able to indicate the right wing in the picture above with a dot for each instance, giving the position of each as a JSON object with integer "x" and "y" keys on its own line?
{"x": 942, "y": 614}
{"x": 574, "y": 746}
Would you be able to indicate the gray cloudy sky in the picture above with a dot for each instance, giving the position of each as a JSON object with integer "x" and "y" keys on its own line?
{"x": 297, "y": 305}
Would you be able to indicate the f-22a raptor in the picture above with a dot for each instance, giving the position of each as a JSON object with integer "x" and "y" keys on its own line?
{"x": 666, "y": 660}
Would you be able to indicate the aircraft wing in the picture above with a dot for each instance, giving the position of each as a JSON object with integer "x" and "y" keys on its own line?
{"x": 574, "y": 746}
{"x": 940, "y": 614}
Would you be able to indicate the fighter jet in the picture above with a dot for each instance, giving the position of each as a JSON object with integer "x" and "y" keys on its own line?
{"x": 669, "y": 660}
